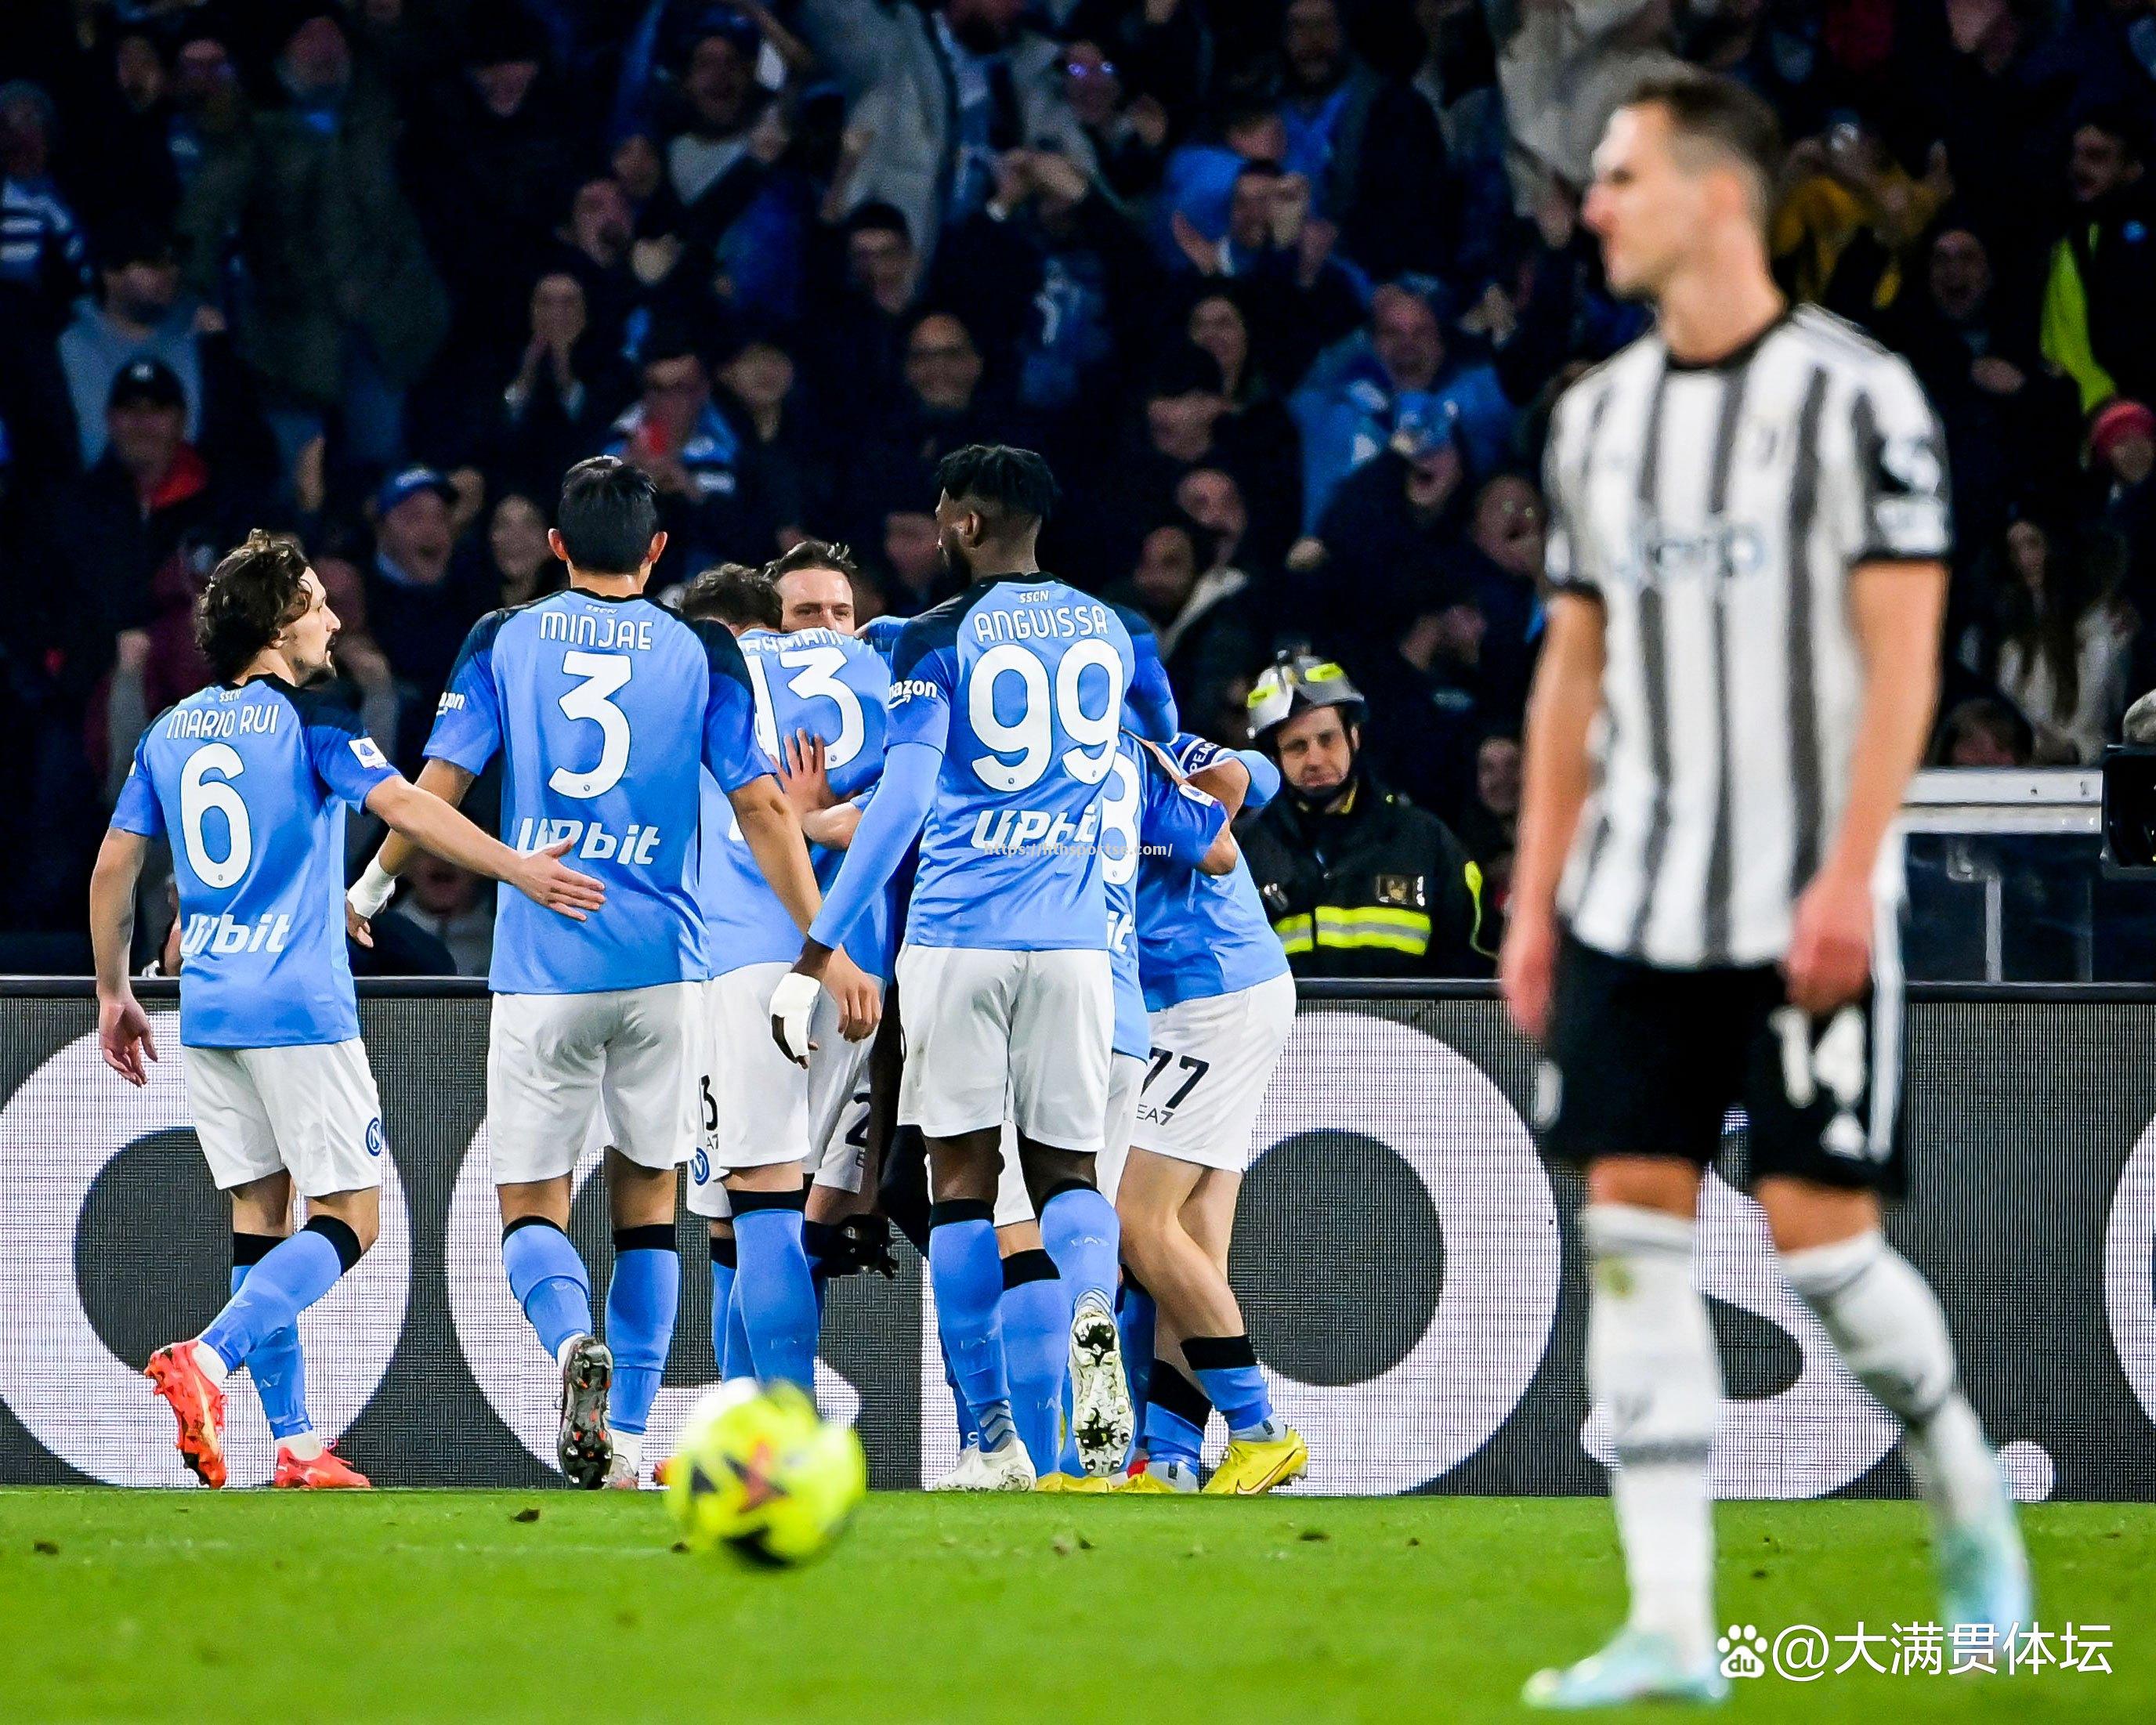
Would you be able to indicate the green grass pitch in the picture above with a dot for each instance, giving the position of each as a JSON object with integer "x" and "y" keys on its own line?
{"x": 461, "y": 1606}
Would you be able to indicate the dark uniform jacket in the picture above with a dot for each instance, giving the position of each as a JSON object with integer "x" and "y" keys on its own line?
{"x": 1380, "y": 889}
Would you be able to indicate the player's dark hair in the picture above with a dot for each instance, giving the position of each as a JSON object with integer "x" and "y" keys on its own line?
{"x": 813, "y": 554}
{"x": 259, "y": 586}
{"x": 1011, "y": 486}
{"x": 609, "y": 512}
{"x": 1721, "y": 114}
{"x": 734, "y": 594}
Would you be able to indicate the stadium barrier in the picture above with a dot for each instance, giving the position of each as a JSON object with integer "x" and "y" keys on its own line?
{"x": 1406, "y": 1260}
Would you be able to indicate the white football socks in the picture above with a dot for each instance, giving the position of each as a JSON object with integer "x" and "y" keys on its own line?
{"x": 301, "y": 1445}
{"x": 1886, "y": 1323}
{"x": 629, "y": 1450}
{"x": 1653, "y": 1370}
{"x": 212, "y": 1363}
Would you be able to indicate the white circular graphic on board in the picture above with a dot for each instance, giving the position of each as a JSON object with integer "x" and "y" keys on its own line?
{"x": 2129, "y": 1270}
{"x": 511, "y": 1369}
{"x": 92, "y": 1409}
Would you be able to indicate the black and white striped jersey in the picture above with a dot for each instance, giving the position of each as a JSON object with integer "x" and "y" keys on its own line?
{"x": 1716, "y": 512}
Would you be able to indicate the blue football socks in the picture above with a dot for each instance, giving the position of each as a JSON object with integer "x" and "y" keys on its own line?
{"x": 276, "y": 1364}
{"x": 549, "y": 1281}
{"x": 1227, "y": 1366}
{"x": 969, "y": 1432}
{"x": 725, "y": 1262}
{"x": 1036, "y": 1315}
{"x": 1078, "y": 1227}
{"x": 968, "y": 1277}
{"x": 289, "y": 1278}
{"x": 1134, "y": 1316}
{"x": 777, "y": 1299}
{"x": 642, "y": 1301}
{"x": 1175, "y": 1418}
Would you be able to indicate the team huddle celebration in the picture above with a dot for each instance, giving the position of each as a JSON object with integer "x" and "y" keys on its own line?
{"x": 955, "y": 931}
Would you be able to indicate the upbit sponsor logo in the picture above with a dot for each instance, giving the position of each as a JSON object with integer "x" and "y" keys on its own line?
{"x": 1031, "y": 828}
{"x": 221, "y": 933}
{"x": 599, "y": 844}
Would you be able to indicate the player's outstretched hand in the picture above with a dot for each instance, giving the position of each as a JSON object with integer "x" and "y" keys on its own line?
{"x": 124, "y": 1038}
{"x": 1830, "y": 960}
{"x": 803, "y": 774}
{"x": 859, "y": 994}
{"x": 541, "y": 877}
{"x": 1527, "y": 972}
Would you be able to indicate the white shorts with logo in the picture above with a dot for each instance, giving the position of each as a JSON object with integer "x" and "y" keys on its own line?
{"x": 1211, "y": 1061}
{"x": 759, "y": 1108}
{"x": 555, "y": 1061}
{"x": 991, "y": 1036}
{"x": 311, "y": 1111}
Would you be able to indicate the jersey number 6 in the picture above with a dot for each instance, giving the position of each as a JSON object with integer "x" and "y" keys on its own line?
{"x": 199, "y": 794}
{"x": 1031, "y": 737}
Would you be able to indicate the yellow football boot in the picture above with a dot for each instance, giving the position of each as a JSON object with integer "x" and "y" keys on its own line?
{"x": 1254, "y": 1466}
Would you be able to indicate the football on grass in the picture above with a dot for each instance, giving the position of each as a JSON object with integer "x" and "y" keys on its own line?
{"x": 759, "y": 1472}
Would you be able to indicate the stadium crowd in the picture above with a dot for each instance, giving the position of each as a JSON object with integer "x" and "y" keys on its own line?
{"x": 1284, "y": 289}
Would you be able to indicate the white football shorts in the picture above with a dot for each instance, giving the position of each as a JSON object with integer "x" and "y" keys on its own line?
{"x": 1211, "y": 1061}
{"x": 311, "y": 1111}
{"x": 1125, "y": 1078}
{"x": 993, "y": 1034}
{"x": 554, "y": 1061}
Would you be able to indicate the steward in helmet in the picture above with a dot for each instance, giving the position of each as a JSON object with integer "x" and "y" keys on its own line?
{"x": 1357, "y": 881}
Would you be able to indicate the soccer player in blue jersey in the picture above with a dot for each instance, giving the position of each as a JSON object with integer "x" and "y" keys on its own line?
{"x": 769, "y": 1124}
{"x": 248, "y": 778}
{"x": 609, "y": 709}
{"x": 1222, "y": 1004}
{"x": 1006, "y": 706}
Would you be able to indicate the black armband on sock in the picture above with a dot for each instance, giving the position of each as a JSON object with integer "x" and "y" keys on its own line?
{"x": 1023, "y": 1267}
{"x": 510, "y": 1228}
{"x": 826, "y": 1246}
{"x": 1060, "y": 1187}
{"x": 648, "y": 1237}
{"x": 339, "y": 1235}
{"x": 961, "y": 1210}
{"x": 725, "y": 1251}
{"x": 1208, "y": 1353}
{"x": 748, "y": 1203}
{"x": 251, "y": 1248}
{"x": 1169, "y": 1389}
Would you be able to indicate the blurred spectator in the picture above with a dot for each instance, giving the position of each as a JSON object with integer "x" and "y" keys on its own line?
{"x": 2102, "y": 280}
{"x": 1506, "y": 526}
{"x": 521, "y": 564}
{"x": 1369, "y": 147}
{"x": 567, "y": 386}
{"x": 1400, "y": 368}
{"x": 360, "y": 664}
{"x": 858, "y": 359}
{"x": 2064, "y": 641}
{"x": 2122, "y": 455}
{"x": 941, "y": 406}
{"x": 456, "y": 908}
{"x": 592, "y": 246}
{"x": 1201, "y": 613}
{"x": 1393, "y": 537}
{"x": 346, "y": 310}
{"x": 42, "y": 253}
{"x": 1850, "y": 216}
{"x": 125, "y": 158}
{"x": 1128, "y": 133}
{"x": 760, "y": 396}
{"x": 1458, "y": 78}
{"x": 911, "y": 567}
{"x": 676, "y": 433}
{"x": 141, "y": 314}
{"x": 1200, "y": 177}
{"x": 418, "y": 611}
{"x": 1490, "y": 825}
{"x": 945, "y": 92}
{"x": 1984, "y": 732}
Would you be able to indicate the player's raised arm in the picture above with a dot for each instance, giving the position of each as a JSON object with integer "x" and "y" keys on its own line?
{"x": 123, "y": 1028}
{"x": 1556, "y": 775}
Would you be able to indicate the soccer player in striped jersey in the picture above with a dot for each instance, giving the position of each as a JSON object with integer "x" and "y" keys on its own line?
{"x": 1749, "y": 554}
{"x": 249, "y": 778}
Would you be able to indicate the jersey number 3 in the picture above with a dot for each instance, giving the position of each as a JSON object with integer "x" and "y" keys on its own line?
{"x": 603, "y": 675}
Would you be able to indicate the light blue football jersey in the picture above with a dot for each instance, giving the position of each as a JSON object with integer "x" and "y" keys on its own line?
{"x": 250, "y": 783}
{"x": 1020, "y": 685}
{"x": 1146, "y": 813}
{"x": 835, "y": 687}
{"x": 607, "y": 712}
{"x": 1200, "y": 936}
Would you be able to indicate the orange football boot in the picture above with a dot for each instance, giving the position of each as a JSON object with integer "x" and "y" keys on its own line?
{"x": 325, "y": 1473}
{"x": 196, "y": 1403}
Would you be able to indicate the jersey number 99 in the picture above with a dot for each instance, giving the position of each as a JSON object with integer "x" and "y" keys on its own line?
{"x": 1031, "y": 737}
{"x": 199, "y": 794}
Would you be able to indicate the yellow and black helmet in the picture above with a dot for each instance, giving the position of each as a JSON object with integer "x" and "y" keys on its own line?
{"x": 1295, "y": 682}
